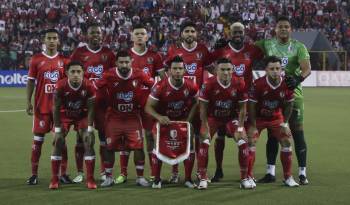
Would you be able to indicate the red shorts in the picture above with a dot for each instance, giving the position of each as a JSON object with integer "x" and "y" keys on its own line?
{"x": 42, "y": 123}
{"x": 77, "y": 123}
{"x": 222, "y": 127}
{"x": 147, "y": 121}
{"x": 273, "y": 126}
{"x": 123, "y": 134}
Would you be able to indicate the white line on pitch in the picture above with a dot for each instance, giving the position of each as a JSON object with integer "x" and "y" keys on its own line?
{"x": 3, "y": 111}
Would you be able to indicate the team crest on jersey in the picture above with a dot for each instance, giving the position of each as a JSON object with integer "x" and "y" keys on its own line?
{"x": 282, "y": 94}
{"x": 60, "y": 64}
{"x": 186, "y": 92}
{"x": 173, "y": 134}
{"x": 247, "y": 56}
{"x": 150, "y": 60}
{"x": 42, "y": 123}
{"x": 191, "y": 68}
{"x": 134, "y": 83}
{"x": 284, "y": 61}
{"x": 52, "y": 76}
{"x": 199, "y": 55}
{"x": 83, "y": 93}
{"x": 239, "y": 70}
{"x": 233, "y": 93}
{"x": 104, "y": 58}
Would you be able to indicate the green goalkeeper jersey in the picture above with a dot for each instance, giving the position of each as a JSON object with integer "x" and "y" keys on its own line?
{"x": 291, "y": 53}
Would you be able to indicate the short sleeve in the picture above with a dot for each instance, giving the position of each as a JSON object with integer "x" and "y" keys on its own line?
{"x": 33, "y": 70}
{"x": 156, "y": 91}
{"x": 204, "y": 92}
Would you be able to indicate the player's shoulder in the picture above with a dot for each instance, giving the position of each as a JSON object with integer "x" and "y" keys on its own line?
{"x": 62, "y": 82}
{"x": 260, "y": 81}
{"x": 297, "y": 43}
{"x": 189, "y": 83}
{"x": 37, "y": 56}
{"x": 202, "y": 46}
{"x": 105, "y": 49}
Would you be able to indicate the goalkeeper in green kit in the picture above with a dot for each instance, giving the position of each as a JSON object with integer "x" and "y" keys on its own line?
{"x": 296, "y": 63}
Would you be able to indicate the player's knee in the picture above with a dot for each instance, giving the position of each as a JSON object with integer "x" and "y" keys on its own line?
{"x": 285, "y": 142}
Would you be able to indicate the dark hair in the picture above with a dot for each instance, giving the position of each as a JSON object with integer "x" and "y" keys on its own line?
{"x": 50, "y": 30}
{"x": 223, "y": 60}
{"x": 138, "y": 26}
{"x": 122, "y": 53}
{"x": 271, "y": 59}
{"x": 282, "y": 18}
{"x": 187, "y": 24}
{"x": 73, "y": 63}
{"x": 176, "y": 59}
{"x": 93, "y": 24}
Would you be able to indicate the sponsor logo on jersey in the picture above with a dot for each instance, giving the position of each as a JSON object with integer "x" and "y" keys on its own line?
{"x": 52, "y": 76}
{"x": 239, "y": 70}
{"x": 191, "y": 68}
{"x": 223, "y": 104}
{"x": 270, "y": 104}
{"x": 176, "y": 105}
{"x": 125, "y": 107}
{"x": 74, "y": 105}
{"x": 126, "y": 96}
{"x": 146, "y": 70}
{"x": 97, "y": 70}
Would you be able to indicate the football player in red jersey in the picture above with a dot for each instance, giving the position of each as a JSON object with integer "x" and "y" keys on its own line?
{"x": 74, "y": 105}
{"x": 243, "y": 56}
{"x": 173, "y": 99}
{"x": 45, "y": 69}
{"x": 123, "y": 123}
{"x": 196, "y": 57}
{"x": 219, "y": 99}
{"x": 150, "y": 62}
{"x": 270, "y": 107}
{"x": 96, "y": 60}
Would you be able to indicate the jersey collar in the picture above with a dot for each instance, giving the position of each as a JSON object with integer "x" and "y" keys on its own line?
{"x": 189, "y": 50}
{"x": 120, "y": 76}
{"x": 51, "y": 57}
{"x": 173, "y": 86}
{"x": 223, "y": 86}
{"x": 92, "y": 51}
{"x": 272, "y": 86}
{"x": 235, "y": 50}
{"x": 139, "y": 54}
{"x": 75, "y": 89}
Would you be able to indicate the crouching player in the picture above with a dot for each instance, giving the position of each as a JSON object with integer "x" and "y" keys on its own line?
{"x": 219, "y": 99}
{"x": 123, "y": 123}
{"x": 270, "y": 106}
{"x": 173, "y": 99}
{"x": 74, "y": 105}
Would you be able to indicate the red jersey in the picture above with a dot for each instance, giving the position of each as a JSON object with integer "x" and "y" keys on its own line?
{"x": 223, "y": 100}
{"x": 123, "y": 94}
{"x": 176, "y": 103}
{"x": 95, "y": 62}
{"x": 242, "y": 60}
{"x": 149, "y": 62}
{"x": 46, "y": 71}
{"x": 195, "y": 60}
{"x": 74, "y": 100}
{"x": 269, "y": 99}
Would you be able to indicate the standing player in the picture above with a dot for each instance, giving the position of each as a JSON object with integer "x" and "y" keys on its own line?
{"x": 45, "y": 70}
{"x": 195, "y": 56}
{"x": 96, "y": 60}
{"x": 270, "y": 106}
{"x": 123, "y": 124}
{"x": 296, "y": 63}
{"x": 150, "y": 63}
{"x": 74, "y": 105}
{"x": 219, "y": 99}
{"x": 243, "y": 56}
{"x": 173, "y": 99}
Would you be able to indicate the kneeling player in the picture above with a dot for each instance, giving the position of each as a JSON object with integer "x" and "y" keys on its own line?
{"x": 173, "y": 99}
{"x": 219, "y": 99}
{"x": 122, "y": 123}
{"x": 270, "y": 106}
{"x": 74, "y": 105}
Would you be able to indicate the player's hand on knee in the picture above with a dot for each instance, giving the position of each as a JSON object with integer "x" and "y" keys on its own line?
{"x": 29, "y": 109}
{"x": 285, "y": 130}
{"x": 164, "y": 120}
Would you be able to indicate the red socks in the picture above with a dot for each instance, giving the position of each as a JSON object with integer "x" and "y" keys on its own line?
{"x": 36, "y": 152}
{"x": 203, "y": 160}
{"x": 243, "y": 156}
{"x": 124, "y": 161}
{"x": 286, "y": 159}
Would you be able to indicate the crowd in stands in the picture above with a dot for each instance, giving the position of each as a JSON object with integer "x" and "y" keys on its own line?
{"x": 22, "y": 20}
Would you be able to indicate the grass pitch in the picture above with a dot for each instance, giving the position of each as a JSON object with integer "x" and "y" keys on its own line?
{"x": 326, "y": 130}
